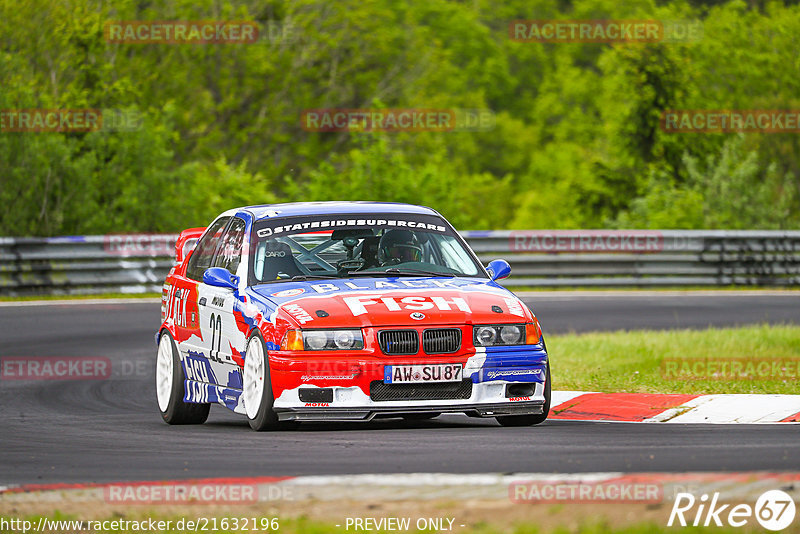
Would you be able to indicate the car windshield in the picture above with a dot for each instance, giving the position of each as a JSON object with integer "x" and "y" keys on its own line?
{"x": 349, "y": 245}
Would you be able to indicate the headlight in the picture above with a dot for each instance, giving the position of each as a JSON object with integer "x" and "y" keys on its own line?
{"x": 502, "y": 334}
{"x": 511, "y": 334}
{"x": 485, "y": 335}
{"x": 322, "y": 340}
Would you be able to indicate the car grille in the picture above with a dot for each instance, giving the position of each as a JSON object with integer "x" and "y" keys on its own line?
{"x": 378, "y": 391}
{"x": 398, "y": 341}
{"x": 441, "y": 340}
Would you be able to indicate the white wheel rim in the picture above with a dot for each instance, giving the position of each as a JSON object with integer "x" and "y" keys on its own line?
{"x": 253, "y": 377}
{"x": 164, "y": 372}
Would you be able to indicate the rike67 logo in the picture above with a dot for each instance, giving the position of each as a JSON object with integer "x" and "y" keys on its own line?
{"x": 774, "y": 510}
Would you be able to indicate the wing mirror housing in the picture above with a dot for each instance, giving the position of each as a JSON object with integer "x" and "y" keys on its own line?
{"x": 498, "y": 269}
{"x": 219, "y": 277}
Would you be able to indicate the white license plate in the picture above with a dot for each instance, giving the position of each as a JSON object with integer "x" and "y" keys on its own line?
{"x": 410, "y": 374}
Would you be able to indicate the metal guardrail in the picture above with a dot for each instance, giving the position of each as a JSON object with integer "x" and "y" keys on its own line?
{"x": 540, "y": 258}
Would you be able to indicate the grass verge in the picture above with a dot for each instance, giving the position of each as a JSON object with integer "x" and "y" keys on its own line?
{"x": 679, "y": 361}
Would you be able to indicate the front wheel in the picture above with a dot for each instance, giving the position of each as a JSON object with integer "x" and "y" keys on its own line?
{"x": 170, "y": 391}
{"x": 530, "y": 420}
{"x": 258, "y": 396}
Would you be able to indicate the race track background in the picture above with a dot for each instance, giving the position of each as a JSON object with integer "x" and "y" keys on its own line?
{"x": 110, "y": 430}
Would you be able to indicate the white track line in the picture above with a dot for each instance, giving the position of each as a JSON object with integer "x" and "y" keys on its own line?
{"x": 744, "y": 409}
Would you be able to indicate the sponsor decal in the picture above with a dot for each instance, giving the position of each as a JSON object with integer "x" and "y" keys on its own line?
{"x": 219, "y": 302}
{"x": 427, "y": 224}
{"x": 196, "y": 367}
{"x": 358, "y": 305}
{"x": 299, "y": 314}
{"x": 382, "y": 284}
{"x": 492, "y": 375}
{"x": 514, "y": 307}
{"x": 289, "y": 293}
{"x": 312, "y": 378}
{"x": 317, "y": 404}
{"x": 517, "y": 399}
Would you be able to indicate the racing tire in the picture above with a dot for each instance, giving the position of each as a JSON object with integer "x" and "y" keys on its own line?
{"x": 530, "y": 420}
{"x": 170, "y": 387}
{"x": 257, "y": 387}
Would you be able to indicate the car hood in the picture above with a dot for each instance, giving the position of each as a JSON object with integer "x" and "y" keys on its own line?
{"x": 362, "y": 302}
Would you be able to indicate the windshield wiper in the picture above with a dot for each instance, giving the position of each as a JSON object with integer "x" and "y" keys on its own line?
{"x": 302, "y": 277}
{"x": 400, "y": 272}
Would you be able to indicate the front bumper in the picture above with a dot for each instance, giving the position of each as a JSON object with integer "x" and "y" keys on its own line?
{"x": 488, "y": 399}
{"x": 359, "y": 414}
{"x": 493, "y": 372}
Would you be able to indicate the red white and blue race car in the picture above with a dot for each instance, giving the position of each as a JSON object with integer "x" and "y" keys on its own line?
{"x": 343, "y": 311}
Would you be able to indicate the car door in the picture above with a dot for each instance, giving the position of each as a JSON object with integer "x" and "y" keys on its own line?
{"x": 194, "y": 337}
{"x": 223, "y": 341}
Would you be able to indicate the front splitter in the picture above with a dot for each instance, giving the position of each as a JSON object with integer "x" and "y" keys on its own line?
{"x": 372, "y": 412}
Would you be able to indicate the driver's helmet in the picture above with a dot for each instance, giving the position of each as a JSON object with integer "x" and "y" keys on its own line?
{"x": 399, "y": 246}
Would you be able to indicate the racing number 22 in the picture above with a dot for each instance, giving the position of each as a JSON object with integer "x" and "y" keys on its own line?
{"x": 216, "y": 335}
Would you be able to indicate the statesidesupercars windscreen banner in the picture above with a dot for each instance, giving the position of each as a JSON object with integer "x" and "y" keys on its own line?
{"x": 270, "y": 228}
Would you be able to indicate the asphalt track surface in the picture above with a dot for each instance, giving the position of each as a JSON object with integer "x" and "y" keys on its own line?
{"x": 110, "y": 430}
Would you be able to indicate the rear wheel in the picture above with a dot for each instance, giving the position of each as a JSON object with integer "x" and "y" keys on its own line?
{"x": 170, "y": 391}
{"x": 530, "y": 420}
{"x": 258, "y": 396}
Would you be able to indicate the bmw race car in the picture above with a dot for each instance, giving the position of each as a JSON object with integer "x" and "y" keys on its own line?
{"x": 343, "y": 311}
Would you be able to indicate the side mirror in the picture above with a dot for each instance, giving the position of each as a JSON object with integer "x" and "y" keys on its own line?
{"x": 498, "y": 269}
{"x": 219, "y": 277}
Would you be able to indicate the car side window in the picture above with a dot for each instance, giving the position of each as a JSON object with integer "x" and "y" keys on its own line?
{"x": 204, "y": 251}
{"x": 229, "y": 254}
